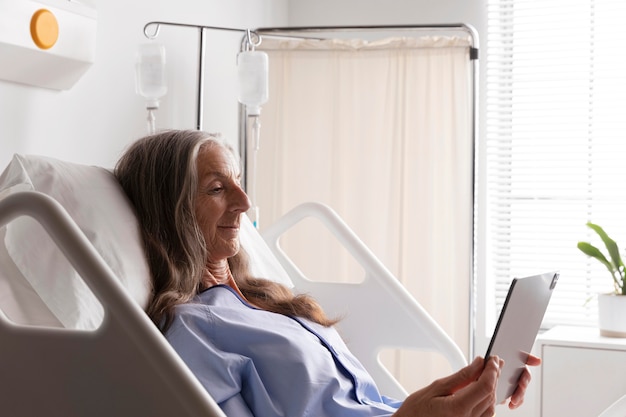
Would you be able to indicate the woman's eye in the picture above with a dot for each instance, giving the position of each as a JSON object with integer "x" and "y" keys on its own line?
{"x": 215, "y": 190}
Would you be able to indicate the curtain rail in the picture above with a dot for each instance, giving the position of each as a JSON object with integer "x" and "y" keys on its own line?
{"x": 462, "y": 26}
{"x": 360, "y": 28}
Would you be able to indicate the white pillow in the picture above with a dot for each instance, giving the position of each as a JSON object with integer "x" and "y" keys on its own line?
{"x": 94, "y": 199}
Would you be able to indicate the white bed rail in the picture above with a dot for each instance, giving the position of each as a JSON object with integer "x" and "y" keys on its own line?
{"x": 617, "y": 409}
{"x": 404, "y": 324}
{"x": 123, "y": 368}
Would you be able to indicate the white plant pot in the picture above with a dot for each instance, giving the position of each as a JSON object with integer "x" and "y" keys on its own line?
{"x": 612, "y": 315}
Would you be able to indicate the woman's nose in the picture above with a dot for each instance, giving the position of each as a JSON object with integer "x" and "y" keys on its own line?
{"x": 240, "y": 201}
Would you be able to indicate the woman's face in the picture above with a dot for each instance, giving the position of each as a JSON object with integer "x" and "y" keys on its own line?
{"x": 220, "y": 202}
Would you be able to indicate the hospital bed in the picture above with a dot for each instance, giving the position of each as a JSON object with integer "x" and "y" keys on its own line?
{"x": 617, "y": 409}
{"x": 74, "y": 340}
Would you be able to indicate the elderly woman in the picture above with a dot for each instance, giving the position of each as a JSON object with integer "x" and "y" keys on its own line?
{"x": 257, "y": 348}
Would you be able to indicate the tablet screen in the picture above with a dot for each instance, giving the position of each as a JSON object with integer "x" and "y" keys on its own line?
{"x": 517, "y": 327}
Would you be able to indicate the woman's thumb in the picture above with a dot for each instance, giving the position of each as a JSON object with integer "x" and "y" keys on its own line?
{"x": 456, "y": 381}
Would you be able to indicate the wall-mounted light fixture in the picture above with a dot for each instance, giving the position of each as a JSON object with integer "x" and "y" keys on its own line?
{"x": 47, "y": 44}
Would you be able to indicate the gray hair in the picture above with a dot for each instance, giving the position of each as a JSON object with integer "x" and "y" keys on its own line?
{"x": 159, "y": 174}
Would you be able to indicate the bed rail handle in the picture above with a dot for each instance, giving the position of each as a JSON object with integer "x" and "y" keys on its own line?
{"x": 125, "y": 328}
{"x": 379, "y": 282}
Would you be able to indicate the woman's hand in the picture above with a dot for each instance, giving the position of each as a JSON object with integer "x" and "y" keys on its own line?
{"x": 517, "y": 399}
{"x": 470, "y": 392}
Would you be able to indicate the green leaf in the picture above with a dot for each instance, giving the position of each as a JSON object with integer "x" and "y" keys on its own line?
{"x": 615, "y": 265}
{"x": 590, "y": 250}
{"x": 611, "y": 246}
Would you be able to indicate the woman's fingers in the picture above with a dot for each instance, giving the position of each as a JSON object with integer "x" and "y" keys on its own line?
{"x": 469, "y": 392}
{"x": 479, "y": 396}
{"x": 533, "y": 360}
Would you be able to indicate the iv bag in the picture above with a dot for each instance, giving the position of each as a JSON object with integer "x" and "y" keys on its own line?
{"x": 252, "y": 71}
{"x": 150, "y": 71}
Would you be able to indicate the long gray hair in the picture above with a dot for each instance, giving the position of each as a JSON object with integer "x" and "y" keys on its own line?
{"x": 159, "y": 174}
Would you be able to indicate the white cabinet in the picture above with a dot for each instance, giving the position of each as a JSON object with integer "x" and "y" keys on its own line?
{"x": 582, "y": 373}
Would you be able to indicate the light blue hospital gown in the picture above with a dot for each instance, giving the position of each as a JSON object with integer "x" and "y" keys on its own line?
{"x": 262, "y": 364}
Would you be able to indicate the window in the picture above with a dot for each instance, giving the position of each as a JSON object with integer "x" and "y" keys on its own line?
{"x": 555, "y": 145}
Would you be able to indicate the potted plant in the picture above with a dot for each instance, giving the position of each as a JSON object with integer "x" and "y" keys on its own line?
{"x": 611, "y": 306}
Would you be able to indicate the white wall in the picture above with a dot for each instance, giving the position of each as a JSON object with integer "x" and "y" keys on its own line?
{"x": 93, "y": 121}
{"x": 359, "y": 12}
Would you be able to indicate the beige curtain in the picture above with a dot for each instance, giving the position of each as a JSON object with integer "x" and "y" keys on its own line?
{"x": 382, "y": 133}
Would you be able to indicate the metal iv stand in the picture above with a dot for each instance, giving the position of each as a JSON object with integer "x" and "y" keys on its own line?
{"x": 154, "y": 32}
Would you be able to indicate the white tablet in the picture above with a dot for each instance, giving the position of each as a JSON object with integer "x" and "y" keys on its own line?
{"x": 518, "y": 325}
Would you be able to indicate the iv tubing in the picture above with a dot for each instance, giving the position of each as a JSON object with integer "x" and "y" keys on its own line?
{"x": 255, "y": 126}
{"x": 151, "y": 121}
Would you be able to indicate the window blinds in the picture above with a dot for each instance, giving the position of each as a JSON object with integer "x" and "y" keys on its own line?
{"x": 555, "y": 145}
